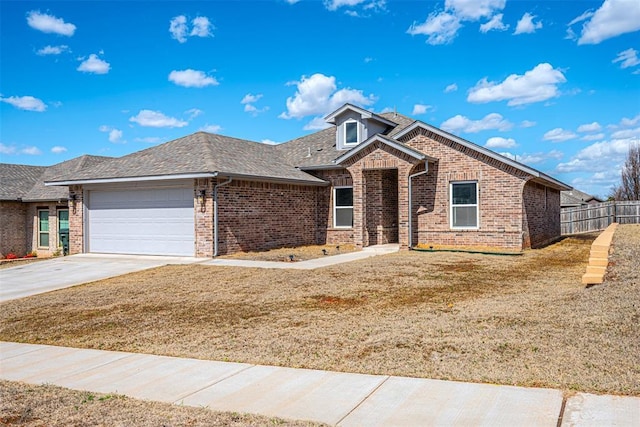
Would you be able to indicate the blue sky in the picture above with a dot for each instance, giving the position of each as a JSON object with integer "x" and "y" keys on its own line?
{"x": 554, "y": 83}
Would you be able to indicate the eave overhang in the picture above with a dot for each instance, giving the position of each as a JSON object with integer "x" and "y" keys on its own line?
{"x": 539, "y": 176}
{"x": 389, "y": 142}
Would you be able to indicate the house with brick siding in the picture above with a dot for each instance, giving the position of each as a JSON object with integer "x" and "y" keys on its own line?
{"x": 366, "y": 179}
{"x": 34, "y": 217}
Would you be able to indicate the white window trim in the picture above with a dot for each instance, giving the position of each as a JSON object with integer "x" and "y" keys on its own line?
{"x": 476, "y": 205}
{"x": 42, "y": 232}
{"x": 335, "y": 208}
{"x": 344, "y": 133}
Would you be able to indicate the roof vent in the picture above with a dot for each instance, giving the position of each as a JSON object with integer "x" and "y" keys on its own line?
{"x": 308, "y": 152}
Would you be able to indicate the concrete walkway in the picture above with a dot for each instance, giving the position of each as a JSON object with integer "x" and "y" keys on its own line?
{"x": 312, "y": 263}
{"x": 334, "y": 398}
{"x": 58, "y": 273}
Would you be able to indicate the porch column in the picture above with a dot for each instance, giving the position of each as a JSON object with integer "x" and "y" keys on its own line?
{"x": 403, "y": 205}
{"x": 358, "y": 206}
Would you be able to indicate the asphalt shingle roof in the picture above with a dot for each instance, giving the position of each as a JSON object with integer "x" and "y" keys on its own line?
{"x": 319, "y": 149}
{"x": 200, "y": 152}
{"x": 27, "y": 182}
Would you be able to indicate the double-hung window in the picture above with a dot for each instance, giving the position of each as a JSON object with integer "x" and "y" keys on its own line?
{"x": 464, "y": 204}
{"x": 43, "y": 228}
{"x": 343, "y": 207}
{"x": 351, "y": 132}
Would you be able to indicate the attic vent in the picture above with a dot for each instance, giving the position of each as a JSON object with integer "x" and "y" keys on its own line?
{"x": 308, "y": 152}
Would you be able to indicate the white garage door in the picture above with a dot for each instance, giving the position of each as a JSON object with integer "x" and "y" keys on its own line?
{"x": 143, "y": 221}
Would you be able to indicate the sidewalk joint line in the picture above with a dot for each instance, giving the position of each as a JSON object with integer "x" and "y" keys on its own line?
{"x": 562, "y": 408}
{"x": 218, "y": 381}
{"x": 364, "y": 399}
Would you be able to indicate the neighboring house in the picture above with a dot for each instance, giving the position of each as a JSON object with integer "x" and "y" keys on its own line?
{"x": 575, "y": 198}
{"x": 368, "y": 179}
{"x": 35, "y": 217}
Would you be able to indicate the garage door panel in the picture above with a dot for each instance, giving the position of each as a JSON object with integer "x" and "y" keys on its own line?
{"x": 150, "y": 221}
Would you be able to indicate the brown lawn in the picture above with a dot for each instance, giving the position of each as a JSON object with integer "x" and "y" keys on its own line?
{"x": 523, "y": 320}
{"x": 300, "y": 253}
{"x": 46, "y": 405}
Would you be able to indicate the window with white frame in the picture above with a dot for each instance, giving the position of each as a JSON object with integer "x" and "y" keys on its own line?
{"x": 464, "y": 204}
{"x": 351, "y": 132}
{"x": 43, "y": 228}
{"x": 343, "y": 207}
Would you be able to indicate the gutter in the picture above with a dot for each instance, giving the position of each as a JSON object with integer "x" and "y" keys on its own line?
{"x": 426, "y": 169}
{"x": 215, "y": 214}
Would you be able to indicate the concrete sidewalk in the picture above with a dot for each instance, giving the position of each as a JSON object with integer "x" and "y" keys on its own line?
{"x": 312, "y": 263}
{"x": 331, "y": 397}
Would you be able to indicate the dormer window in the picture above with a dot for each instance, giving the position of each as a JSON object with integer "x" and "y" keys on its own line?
{"x": 351, "y": 132}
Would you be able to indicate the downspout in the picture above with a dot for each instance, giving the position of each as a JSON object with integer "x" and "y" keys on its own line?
{"x": 215, "y": 215}
{"x": 426, "y": 169}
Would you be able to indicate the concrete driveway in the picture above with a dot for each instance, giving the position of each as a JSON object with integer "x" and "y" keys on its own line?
{"x": 57, "y": 273}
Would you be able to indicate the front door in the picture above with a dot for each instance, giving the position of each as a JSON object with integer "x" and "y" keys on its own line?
{"x": 63, "y": 230}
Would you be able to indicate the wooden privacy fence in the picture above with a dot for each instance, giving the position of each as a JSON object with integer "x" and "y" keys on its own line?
{"x": 598, "y": 216}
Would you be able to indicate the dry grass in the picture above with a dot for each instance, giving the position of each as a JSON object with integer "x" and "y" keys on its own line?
{"x": 46, "y": 405}
{"x": 300, "y": 253}
{"x": 523, "y": 320}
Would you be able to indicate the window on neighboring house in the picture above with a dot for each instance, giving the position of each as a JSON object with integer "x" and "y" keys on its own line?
{"x": 351, "y": 133}
{"x": 464, "y": 204}
{"x": 43, "y": 228}
{"x": 343, "y": 207}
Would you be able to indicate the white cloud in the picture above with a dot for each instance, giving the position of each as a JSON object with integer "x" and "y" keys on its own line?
{"x": 201, "y": 27}
{"x": 626, "y": 133}
{"x": 593, "y": 137}
{"x": 627, "y": 58}
{"x": 536, "y": 85}
{"x": 368, "y": 59}
{"x": 533, "y": 158}
{"x": 178, "y": 28}
{"x": 598, "y": 157}
{"x": 58, "y": 149}
{"x": 318, "y": 95}
{"x": 7, "y": 149}
{"x": 527, "y": 124}
{"x": 31, "y": 151}
{"x": 526, "y": 25}
{"x": 156, "y": 119}
{"x": 104, "y": 128}
{"x": 317, "y": 123}
{"x": 27, "y": 103}
{"x": 192, "y": 78}
{"x": 625, "y": 122}
{"x": 558, "y": 135}
{"x": 336, "y": 4}
{"x": 589, "y": 127}
{"x": 250, "y": 99}
{"x": 451, "y": 88}
{"x": 269, "y": 142}
{"x": 292, "y": 1}
{"x": 94, "y": 65}
{"x": 613, "y": 18}
{"x": 499, "y": 142}
{"x": 364, "y": 5}
{"x": 52, "y": 50}
{"x": 441, "y": 28}
{"x": 421, "y": 109}
{"x": 495, "y": 24}
{"x": 473, "y": 10}
{"x": 115, "y": 136}
{"x": 461, "y": 123}
{"x": 211, "y": 128}
{"x": 49, "y": 24}
{"x": 193, "y": 113}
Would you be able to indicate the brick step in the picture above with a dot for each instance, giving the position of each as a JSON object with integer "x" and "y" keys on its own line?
{"x": 592, "y": 279}
{"x": 596, "y": 269}
{"x": 600, "y": 262}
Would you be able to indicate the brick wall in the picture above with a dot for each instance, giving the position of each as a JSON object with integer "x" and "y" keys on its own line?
{"x": 13, "y": 233}
{"x": 76, "y": 221}
{"x": 500, "y": 196}
{"x": 260, "y": 216}
{"x": 541, "y": 221}
{"x": 204, "y": 218}
{"x": 326, "y": 234}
